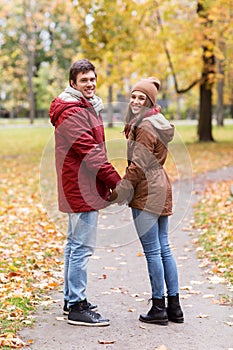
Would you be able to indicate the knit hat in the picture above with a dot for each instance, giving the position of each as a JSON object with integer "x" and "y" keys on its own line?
{"x": 148, "y": 86}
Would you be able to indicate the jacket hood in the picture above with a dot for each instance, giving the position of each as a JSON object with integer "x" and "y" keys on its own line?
{"x": 59, "y": 105}
{"x": 162, "y": 125}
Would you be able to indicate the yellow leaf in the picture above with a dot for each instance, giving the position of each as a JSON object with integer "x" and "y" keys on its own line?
{"x": 206, "y": 296}
{"x": 106, "y": 341}
{"x": 131, "y": 310}
{"x": 202, "y": 316}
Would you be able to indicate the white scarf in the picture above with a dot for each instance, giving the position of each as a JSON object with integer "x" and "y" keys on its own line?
{"x": 71, "y": 94}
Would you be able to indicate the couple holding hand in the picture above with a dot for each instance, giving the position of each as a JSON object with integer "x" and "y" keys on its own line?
{"x": 87, "y": 182}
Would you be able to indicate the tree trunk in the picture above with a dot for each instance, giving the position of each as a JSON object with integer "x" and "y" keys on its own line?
{"x": 32, "y": 109}
{"x": 29, "y": 47}
{"x": 205, "y": 112}
{"x": 207, "y": 81}
{"x": 220, "y": 87}
{"x": 231, "y": 104}
{"x": 205, "y": 116}
{"x": 30, "y": 67}
{"x": 110, "y": 108}
{"x": 219, "y": 109}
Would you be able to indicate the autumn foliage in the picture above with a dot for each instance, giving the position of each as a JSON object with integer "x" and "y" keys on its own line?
{"x": 214, "y": 221}
{"x": 31, "y": 248}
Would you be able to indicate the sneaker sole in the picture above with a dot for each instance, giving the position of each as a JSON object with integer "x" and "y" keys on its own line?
{"x": 80, "y": 323}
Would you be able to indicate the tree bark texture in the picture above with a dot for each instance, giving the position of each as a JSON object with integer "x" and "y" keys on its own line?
{"x": 208, "y": 73}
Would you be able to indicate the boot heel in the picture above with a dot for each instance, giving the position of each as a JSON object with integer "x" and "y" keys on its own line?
{"x": 176, "y": 319}
{"x": 157, "y": 313}
{"x": 174, "y": 311}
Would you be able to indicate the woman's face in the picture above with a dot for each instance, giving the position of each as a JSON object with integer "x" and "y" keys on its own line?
{"x": 137, "y": 101}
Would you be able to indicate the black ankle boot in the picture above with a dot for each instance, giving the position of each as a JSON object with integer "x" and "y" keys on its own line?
{"x": 157, "y": 313}
{"x": 174, "y": 311}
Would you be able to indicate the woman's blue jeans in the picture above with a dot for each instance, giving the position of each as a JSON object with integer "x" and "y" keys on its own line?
{"x": 153, "y": 234}
{"x": 80, "y": 245}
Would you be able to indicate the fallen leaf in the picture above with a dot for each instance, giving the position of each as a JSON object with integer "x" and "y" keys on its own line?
{"x": 61, "y": 318}
{"x": 206, "y": 296}
{"x": 185, "y": 296}
{"x": 187, "y": 249}
{"x": 187, "y": 229}
{"x": 143, "y": 327}
{"x": 10, "y": 340}
{"x": 135, "y": 295}
{"x": 216, "y": 279}
{"x": 106, "y": 341}
{"x": 161, "y": 347}
{"x": 120, "y": 290}
{"x": 131, "y": 310}
{"x": 182, "y": 257}
{"x": 202, "y": 316}
{"x": 194, "y": 292}
{"x": 196, "y": 282}
{"x": 110, "y": 268}
{"x": 186, "y": 288}
{"x": 215, "y": 301}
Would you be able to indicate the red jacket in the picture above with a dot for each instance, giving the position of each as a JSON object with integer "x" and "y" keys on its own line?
{"x": 83, "y": 172}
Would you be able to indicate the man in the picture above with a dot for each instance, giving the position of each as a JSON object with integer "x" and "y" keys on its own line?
{"x": 85, "y": 178}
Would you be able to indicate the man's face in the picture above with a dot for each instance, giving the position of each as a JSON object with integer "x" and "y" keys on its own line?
{"x": 85, "y": 83}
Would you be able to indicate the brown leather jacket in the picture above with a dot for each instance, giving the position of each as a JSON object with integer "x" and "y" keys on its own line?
{"x": 146, "y": 185}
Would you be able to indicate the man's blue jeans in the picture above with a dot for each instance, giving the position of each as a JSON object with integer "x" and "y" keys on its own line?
{"x": 80, "y": 245}
{"x": 153, "y": 234}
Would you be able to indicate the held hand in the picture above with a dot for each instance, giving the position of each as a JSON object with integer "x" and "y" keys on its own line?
{"x": 113, "y": 196}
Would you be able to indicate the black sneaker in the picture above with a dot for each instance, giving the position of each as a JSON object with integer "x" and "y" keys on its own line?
{"x": 80, "y": 314}
{"x": 66, "y": 309}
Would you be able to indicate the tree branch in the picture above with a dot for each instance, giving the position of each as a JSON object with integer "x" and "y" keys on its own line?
{"x": 179, "y": 91}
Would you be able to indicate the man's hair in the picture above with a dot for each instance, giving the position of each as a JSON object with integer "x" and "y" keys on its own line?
{"x": 80, "y": 66}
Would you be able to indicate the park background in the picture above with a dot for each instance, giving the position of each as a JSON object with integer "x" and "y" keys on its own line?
{"x": 188, "y": 45}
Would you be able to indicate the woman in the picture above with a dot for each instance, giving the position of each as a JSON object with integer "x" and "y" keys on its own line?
{"x": 147, "y": 189}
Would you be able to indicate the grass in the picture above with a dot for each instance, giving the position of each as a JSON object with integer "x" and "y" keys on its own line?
{"x": 20, "y": 310}
{"x": 24, "y": 141}
{"x": 207, "y": 156}
{"x": 21, "y": 153}
{"x": 23, "y": 121}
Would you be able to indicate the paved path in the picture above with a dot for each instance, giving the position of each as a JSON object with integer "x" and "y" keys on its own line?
{"x": 118, "y": 283}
